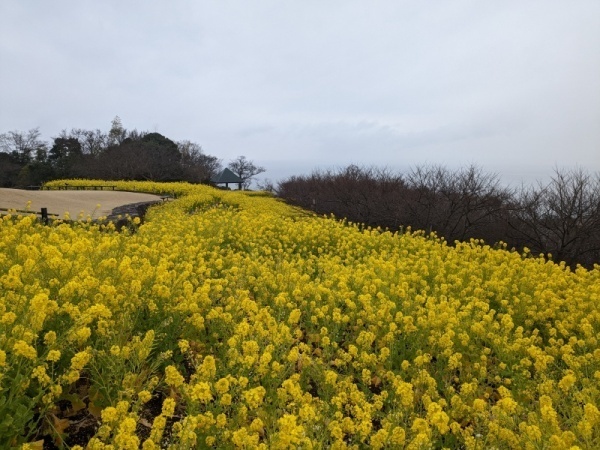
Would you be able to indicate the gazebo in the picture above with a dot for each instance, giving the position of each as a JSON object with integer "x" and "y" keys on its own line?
{"x": 227, "y": 177}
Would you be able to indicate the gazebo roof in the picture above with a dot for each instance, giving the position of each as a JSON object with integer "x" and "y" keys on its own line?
{"x": 226, "y": 176}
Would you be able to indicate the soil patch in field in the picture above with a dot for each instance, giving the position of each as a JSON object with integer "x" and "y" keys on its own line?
{"x": 94, "y": 204}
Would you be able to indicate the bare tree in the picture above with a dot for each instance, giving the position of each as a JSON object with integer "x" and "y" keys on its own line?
{"x": 368, "y": 195}
{"x": 480, "y": 202}
{"x": 245, "y": 169}
{"x": 424, "y": 204}
{"x": 457, "y": 204}
{"x": 267, "y": 185}
{"x": 198, "y": 167}
{"x": 117, "y": 133}
{"x": 561, "y": 217}
{"x": 93, "y": 142}
{"x": 24, "y": 146}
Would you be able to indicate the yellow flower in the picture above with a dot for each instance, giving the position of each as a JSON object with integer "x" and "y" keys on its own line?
{"x": 567, "y": 381}
{"x": 405, "y": 392}
{"x": 71, "y": 376}
{"x": 149, "y": 445}
{"x": 109, "y": 415}
{"x": 208, "y": 368}
{"x": 22, "y": 348}
{"x": 398, "y": 436}
{"x": 293, "y": 355}
{"x": 222, "y": 386}
{"x": 420, "y": 426}
{"x": 330, "y": 377}
{"x": 548, "y": 412}
{"x": 242, "y": 439}
{"x": 438, "y": 417}
{"x": 144, "y": 396}
{"x": 221, "y": 420}
{"x": 8, "y": 318}
{"x": 257, "y": 426}
{"x": 592, "y": 414}
{"x": 50, "y": 338}
{"x": 126, "y": 438}
{"x": 378, "y": 440}
{"x": 82, "y": 334}
{"x": 173, "y": 377}
{"x": 200, "y": 392}
{"x": 226, "y": 400}
{"x": 183, "y": 345}
{"x": 479, "y": 404}
{"x": 455, "y": 361}
{"x": 289, "y": 433}
{"x": 294, "y": 316}
{"x": 507, "y": 405}
{"x": 168, "y": 407}
{"x": 80, "y": 359}
{"x": 254, "y": 397}
{"x": 40, "y": 373}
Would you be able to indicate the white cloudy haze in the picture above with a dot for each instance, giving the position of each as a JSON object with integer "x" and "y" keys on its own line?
{"x": 513, "y": 86}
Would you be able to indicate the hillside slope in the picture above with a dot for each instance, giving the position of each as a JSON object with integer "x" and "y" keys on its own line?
{"x": 232, "y": 320}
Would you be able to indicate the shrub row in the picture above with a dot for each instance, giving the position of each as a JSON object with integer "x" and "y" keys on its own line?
{"x": 560, "y": 217}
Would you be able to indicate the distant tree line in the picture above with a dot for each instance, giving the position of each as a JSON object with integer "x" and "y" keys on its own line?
{"x": 26, "y": 160}
{"x": 560, "y": 217}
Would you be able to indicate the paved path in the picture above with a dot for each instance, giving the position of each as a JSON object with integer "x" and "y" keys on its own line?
{"x": 74, "y": 202}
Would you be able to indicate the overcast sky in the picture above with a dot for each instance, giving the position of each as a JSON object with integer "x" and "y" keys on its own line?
{"x": 510, "y": 85}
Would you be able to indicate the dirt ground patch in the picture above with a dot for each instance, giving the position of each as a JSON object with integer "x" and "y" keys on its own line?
{"x": 77, "y": 203}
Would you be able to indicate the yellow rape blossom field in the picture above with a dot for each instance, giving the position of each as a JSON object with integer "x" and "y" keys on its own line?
{"x": 231, "y": 320}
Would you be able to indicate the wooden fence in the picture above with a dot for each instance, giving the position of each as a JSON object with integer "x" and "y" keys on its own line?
{"x": 44, "y": 214}
{"x": 65, "y": 187}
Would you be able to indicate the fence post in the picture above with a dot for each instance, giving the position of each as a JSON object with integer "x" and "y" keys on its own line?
{"x": 45, "y": 216}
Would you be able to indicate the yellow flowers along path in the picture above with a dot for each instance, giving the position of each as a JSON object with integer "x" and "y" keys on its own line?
{"x": 230, "y": 320}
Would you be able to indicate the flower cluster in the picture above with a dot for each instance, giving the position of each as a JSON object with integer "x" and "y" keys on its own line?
{"x": 230, "y": 320}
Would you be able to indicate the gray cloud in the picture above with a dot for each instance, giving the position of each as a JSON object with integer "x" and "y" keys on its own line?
{"x": 512, "y": 86}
